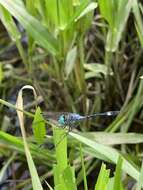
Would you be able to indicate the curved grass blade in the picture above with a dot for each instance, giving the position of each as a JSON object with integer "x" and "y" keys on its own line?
{"x": 33, "y": 172}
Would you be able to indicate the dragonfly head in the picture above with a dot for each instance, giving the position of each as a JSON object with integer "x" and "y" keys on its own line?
{"x": 61, "y": 120}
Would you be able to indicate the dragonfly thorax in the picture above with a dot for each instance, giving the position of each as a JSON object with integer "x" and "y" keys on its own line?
{"x": 61, "y": 120}
{"x": 68, "y": 119}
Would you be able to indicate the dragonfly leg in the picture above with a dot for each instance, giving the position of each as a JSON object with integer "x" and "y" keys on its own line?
{"x": 61, "y": 139}
{"x": 69, "y": 130}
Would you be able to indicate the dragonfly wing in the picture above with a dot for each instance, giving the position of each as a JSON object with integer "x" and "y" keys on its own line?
{"x": 53, "y": 115}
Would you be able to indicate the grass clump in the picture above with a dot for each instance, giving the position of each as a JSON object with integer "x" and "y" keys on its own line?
{"x": 80, "y": 56}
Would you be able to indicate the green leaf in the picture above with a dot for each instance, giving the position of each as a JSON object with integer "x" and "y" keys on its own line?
{"x": 118, "y": 175}
{"x": 96, "y": 70}
{"x": 14, "y": 33}
{"x": 115, "y": 32}
{"x": 58, "y": 179}
{"x": 116, "y": 13}
{"x": 16, "y": 144}
{"x": 138, "y": 20}
{"x": 9, "y": 24}
{"x": 51, "y": 12}
{"x": 107, "y": 10}
{"x": 140, "y": 180}
{"x": 5, "y": 167}
{"x": 60, "y": 140}
{"x": 88, "y": 9}
{"x": 140, "y": 35}
{"x": 64, "y": 180}
{"x": 114, "y": 138}
{"x": 35, "y": 29}
{"x": 80, "y": 11}
{"x": 83, "y": 169}
{"x": 111, "y": 184}
{"x": 69, "y": 178}
{"x": 102, "y": 179}
{"x": 38, "y": 126}
{"x": 108, "y": 152}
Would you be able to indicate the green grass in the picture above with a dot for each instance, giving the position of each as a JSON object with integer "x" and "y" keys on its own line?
{"x": 82, "y": 56}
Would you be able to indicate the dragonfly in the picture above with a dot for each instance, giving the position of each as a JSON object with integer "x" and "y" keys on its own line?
{"x": 70, "y": 120}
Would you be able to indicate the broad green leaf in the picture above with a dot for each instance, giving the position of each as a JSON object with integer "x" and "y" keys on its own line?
{"x": 38, "y": 126}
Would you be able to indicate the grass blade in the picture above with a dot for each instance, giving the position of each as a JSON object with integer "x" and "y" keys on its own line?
{"x": 83, "y": 169}
{"x": 140, "y": 180}
{"x": 108, "y": 152}
{"x": 118, "y": 175}
{"x": 32, "y": 25}
{"x": 114, "y": 138}
{"x": 102, "y": 179}
{"x": 34, "y": 175}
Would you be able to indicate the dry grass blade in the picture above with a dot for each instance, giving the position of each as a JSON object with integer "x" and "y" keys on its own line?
{"x": 34, "y": 175}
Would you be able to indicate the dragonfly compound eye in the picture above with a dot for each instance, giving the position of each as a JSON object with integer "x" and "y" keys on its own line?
{"x": 61, "y": 120}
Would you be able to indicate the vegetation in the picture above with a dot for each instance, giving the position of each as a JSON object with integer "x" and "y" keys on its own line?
{"x": 82, "y": 56}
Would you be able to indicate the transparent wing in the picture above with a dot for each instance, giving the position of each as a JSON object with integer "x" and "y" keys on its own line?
{"x": 53, "y": 115}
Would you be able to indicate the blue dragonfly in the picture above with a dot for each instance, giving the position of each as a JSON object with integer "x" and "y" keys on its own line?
{"x": 70, "y": 120}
